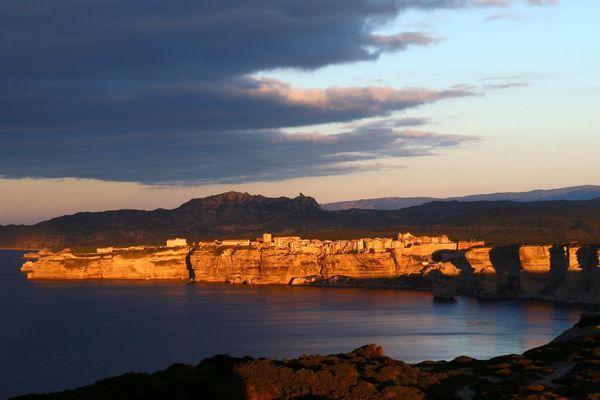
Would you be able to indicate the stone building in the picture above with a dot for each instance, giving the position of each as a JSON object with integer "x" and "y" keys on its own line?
{"x": 266, "y": 239}
{"x": 285, "y": 241}
{"x": 235, "y": 242}
{"x": 177, "y": 242}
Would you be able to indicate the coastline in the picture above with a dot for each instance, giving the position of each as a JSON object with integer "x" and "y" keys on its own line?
{"x": 324, "y": 286}
{"x": 556, "y": 273}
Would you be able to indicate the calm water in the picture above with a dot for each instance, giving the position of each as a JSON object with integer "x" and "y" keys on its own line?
{"x": 56, "y": 335}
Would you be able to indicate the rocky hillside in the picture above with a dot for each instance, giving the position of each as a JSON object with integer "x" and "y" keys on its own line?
{"x": 225, "y": 215}
{"x": 242, "y": 215}
{"x": 564, "y": 369}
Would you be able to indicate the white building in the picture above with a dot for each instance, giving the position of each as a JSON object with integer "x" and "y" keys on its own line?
{"x": 177, "y": 242}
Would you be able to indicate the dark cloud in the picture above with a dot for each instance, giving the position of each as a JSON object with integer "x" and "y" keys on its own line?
{"x": 227, "y": 156}
{"x": 150, "y": 91}
{"x": 194, "y": 107}
{"x": 183, "y": 39}
{"x": 401, "y": 41}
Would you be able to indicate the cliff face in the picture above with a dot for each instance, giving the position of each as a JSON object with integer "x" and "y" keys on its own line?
{"x": 285, "y": 266}
{"x": 554, "y": 273}
{"x": 225, "y": 264}
{"x": 535, "y": 273}
{"x": 360, "y": 266}
{"x": 248, "y": 265}
{"x": 582, "y": 280}
{"x": 549, "y": 272}
{"x": 487, "y": 282}
{"x": 129, "y": 264}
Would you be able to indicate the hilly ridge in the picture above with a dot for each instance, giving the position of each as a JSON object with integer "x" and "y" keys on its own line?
{"x": 236, "y": 214}
{"x": 585, "y": 192}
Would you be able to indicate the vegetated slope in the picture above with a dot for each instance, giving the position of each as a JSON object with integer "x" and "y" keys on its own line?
{"x": 235, "y": 214}
{"x": 586, "y": 192}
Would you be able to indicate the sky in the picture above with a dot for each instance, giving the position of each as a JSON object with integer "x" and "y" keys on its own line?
{"x": 108, "y": 104}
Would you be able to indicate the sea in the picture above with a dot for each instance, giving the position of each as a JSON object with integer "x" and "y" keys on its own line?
{"x": 56, "y": 335}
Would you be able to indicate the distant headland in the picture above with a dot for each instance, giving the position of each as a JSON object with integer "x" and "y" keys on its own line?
{"x": 449, "y": 268}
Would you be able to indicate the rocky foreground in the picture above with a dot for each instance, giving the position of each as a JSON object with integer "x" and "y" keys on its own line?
{"x": 567, "y": 368}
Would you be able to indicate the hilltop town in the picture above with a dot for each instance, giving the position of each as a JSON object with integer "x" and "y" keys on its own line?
{"x": 258, "y": 261}
{"x": 405, "y": 243}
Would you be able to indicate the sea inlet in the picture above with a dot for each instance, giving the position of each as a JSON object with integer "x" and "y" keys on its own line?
{"x": 63, "y": 334}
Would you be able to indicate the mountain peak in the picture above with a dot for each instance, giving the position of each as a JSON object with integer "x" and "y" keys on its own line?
{"x": 231, "y": 197}
{"x": 235, "y": 199}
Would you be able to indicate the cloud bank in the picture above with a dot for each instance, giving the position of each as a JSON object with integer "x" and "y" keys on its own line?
{"x": 158, "y": 91}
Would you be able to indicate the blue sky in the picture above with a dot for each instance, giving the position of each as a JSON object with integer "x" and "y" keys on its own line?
{"x": 505, "y": 99}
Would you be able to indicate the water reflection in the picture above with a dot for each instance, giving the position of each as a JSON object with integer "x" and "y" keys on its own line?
{"x": 63, "y": 334}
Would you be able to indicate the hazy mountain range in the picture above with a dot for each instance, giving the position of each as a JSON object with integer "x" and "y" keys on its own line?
{"x": 233, "y": 214}
{"x": 586, "y": 192}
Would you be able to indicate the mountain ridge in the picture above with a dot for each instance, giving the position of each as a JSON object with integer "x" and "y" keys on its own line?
{"x": 582, "y": 192}
{"x": 233, "y": 215}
